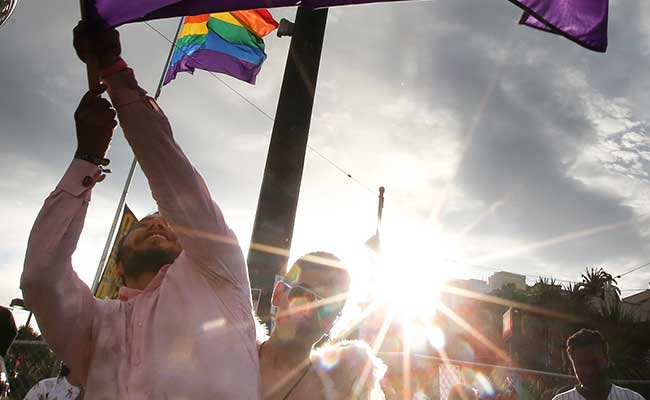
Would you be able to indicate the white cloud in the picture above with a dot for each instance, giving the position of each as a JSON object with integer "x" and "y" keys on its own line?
{"x": 559, "y": 143}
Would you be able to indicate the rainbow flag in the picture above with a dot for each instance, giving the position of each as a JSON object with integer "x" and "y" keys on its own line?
{"x": 228, "y": 42}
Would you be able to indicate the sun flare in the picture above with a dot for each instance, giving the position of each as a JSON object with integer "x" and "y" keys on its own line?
{"x": 408, "y": 271}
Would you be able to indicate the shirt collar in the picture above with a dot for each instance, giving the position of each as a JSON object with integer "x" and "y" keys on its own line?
{"x": 126, "y": 294}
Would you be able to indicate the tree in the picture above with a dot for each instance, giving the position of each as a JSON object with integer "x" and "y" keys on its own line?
{"x": 593, "y": 303}
{"x": 28, "y": 363}
{"x": 627, "y": 338}
{"x": 598, "y": 283}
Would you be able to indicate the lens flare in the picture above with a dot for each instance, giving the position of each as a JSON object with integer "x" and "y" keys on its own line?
{"x": 330, "y": 359}
{"x": 412, "y": 268}
{"x": 484, "y": 385}
{"x": 436, "y": 338}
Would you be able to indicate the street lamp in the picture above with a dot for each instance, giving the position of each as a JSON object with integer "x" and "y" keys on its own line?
{"x": 20, "y": 305}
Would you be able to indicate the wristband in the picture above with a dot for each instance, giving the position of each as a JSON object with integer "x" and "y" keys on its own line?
{"x": 117, "y": 66}
{"x": 98, "y": 161}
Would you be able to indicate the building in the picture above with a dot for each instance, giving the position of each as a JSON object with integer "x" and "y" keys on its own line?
{"x": 477, "y": 285}
{"x": 638, "y": 305}
{"x": 502, "y": 278}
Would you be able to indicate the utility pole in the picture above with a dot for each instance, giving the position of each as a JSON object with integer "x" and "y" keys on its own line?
{"x": 380, "y": 211}
{"x": 276, "y": 208}
{"x": 374, "y": 242}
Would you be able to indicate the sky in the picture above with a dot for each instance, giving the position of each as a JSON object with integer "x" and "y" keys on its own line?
{"x": 500, "y": 147}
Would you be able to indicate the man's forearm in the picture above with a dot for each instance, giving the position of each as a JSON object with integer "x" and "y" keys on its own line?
{"x": 51, "y": 289}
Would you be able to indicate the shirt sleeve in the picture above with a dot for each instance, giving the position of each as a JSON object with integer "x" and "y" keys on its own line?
{"x": 179, "y": 191}
{"x": 51, "y": 288}
{"x": 40, "y": 390}
{"x": 35, "y": 393}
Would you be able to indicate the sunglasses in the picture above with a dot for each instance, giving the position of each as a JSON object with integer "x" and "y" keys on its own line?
{"x": 298, "y": 293}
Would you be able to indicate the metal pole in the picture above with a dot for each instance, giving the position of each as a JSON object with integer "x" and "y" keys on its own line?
{"x": 374, "y": 243}
{"x": 129, "y": 177}
{"x": 118, "y": 212}
{"x": 169, "y": 57}
{"x": 276, "y": 207}
{"x": 380, "y": 209}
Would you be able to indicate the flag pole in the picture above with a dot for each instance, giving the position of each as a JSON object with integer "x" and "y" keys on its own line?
{"x": 92, "y": 64}
{"x": 129, "y": 177}
{"x": 118, "y": 212}
{"x": 169, "y": 57}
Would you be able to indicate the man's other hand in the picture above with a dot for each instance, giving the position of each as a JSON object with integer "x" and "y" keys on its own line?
{"x": 95, "y": 122}
{"x": 102, "y": 45}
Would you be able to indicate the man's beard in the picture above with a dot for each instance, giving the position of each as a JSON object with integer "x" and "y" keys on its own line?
{"x": 136, "y": 263}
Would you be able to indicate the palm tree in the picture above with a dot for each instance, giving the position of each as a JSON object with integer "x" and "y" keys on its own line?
{"x": 548, "y": 293}
{"x": 599, "y": 284}
{"x": 628, "y": 341}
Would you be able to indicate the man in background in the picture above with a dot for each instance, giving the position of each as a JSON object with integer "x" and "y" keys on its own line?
{"x": 589, "y": 354}
{"x": 62, "y": 387}
{"x": 309, "y": 300}
{"x": 8, "y": 333}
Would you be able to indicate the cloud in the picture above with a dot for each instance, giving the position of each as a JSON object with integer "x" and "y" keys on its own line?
{"x": 517, "y": 139}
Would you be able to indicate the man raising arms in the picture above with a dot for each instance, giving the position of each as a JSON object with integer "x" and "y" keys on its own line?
{"x": 186, "y": 305}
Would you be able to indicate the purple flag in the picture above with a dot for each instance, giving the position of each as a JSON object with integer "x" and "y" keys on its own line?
{"x": 582, "y": 21}
{"x": 112, "y": 13}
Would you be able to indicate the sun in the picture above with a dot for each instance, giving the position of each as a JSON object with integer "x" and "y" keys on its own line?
{"x": 409, "y": 270}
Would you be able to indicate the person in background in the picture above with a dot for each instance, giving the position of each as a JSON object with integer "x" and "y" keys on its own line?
{"x": 462, "y": 392}
{"x": 589, "y": 354}
{"x": 8, "y": 332}
{"x": 309, "y": 301}
{"x": 62, "y": 387}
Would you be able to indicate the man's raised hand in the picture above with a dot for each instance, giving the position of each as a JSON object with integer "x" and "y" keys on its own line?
{"x": 95, "y": 122}
{"x": 103, "y": 45}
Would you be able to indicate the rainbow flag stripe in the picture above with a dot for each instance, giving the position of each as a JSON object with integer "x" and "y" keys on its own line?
{"x": 228, "y": 42}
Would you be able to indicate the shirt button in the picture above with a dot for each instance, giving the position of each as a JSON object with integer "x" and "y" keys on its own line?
{"x": 139, "y": 324}
{"x": 87, "y": 181}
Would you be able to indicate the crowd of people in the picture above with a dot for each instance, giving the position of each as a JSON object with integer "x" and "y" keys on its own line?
{"x": 183, "y": 326}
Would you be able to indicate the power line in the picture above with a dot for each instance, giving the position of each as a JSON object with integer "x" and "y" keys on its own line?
{"x": 632, "y": 270}
{"x": 505, "y": 269}
{"x": 260, "y": 110}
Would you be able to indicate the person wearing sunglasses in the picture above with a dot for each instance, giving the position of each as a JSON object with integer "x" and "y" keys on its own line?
{"x": 309, "y": 301}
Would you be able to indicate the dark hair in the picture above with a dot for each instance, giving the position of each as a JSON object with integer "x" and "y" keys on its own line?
{"x": 64, "y": 371}
{"x": 8, "y": 330}
{"x": 587, "y": 338}
{"x": 318, "y": 260}
{"x": 120, "y": 248}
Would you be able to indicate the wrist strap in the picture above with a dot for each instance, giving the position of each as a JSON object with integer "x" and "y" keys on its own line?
{"x": 93, "y": 159}
{"x": 117, "y": 66}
